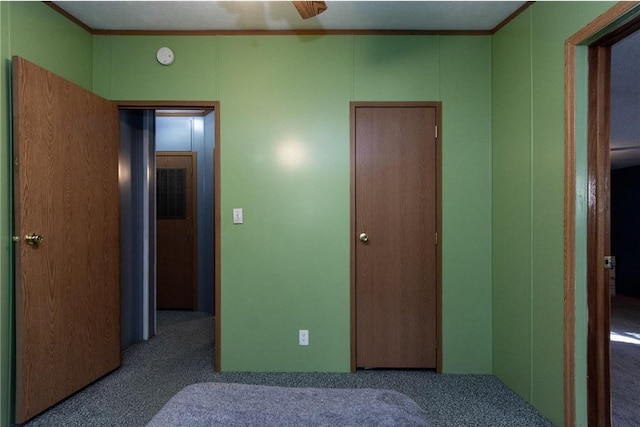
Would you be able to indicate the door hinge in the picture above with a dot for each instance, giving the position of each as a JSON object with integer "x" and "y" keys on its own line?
{"x": 436, "y": 239}
{"x": 610, "y": 262}
{"x": 436, "y": 131}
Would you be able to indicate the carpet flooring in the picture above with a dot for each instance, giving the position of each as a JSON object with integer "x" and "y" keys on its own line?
{"x": 625, "y": 361}
{"x": 182, "y": 354}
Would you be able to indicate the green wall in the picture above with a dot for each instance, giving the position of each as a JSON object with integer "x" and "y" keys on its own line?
{"x": 287, "y": 267}
{"x": 528, "y": 205}
{"x": 41, "y": 35}
{"x": 512, "y": 234}
{"x": 285, "y": 160}
{"x": 125, "y": 68}
{"x": 465, "y": 68}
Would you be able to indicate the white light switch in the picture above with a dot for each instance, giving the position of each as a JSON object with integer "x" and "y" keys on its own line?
{"x": 237, "y": 216}
{"x": 303, "y": 337}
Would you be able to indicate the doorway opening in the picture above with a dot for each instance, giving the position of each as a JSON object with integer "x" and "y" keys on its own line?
{"x": 153, "y": 132}
{"x": 588, "y": 139}
{"x": 625, "y": 231}
{"x": 184, "y": 217}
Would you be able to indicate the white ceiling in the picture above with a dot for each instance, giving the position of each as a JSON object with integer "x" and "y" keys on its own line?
{"x": 625, "y": 102}
{"x": 282, "y": 15}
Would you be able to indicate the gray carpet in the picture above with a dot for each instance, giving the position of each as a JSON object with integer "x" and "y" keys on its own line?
{"x": 244, "y": 405}
{"x": 182, "y": 354}
{"x": 625, "y": 361}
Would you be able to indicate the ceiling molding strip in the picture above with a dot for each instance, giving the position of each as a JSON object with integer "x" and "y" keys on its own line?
{"x": 69, "y": 16}
{"x": 289, "y": 32}
{"x": 511, "y": 17}
{"x": 292, "y": 32}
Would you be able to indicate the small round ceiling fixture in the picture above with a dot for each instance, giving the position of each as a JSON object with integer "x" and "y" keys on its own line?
{"x": 165, "y": 56}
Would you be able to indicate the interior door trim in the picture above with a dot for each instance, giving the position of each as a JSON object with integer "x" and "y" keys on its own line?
{"x": 610, "y": 25}
{"x": 352, "y": 166}
{"x": 163, "y": 105}
{"x": 212, "y": 105}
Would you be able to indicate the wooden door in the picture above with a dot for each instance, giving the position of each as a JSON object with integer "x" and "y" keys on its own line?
{"x": 395, "y": 263}
{"x": 599, "y": 238}
{"x": 176, "y": 230}
{"x": 66, "y": 143}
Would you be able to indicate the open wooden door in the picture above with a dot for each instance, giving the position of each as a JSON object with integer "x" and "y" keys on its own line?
{"x": 66, "y": 143}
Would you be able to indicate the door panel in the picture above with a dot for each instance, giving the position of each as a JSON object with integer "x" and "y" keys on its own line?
{"x": 66, "y": 143}
{"x": 176, "y": 230}
{"x": 395, "y": 205}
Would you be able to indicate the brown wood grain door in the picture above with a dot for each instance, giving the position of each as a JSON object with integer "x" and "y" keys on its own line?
{"x": 396, "y": 207}
{"x": 599, "y": 237}
{"x": 176, "y": 230}
{"x": 66, "y": 143}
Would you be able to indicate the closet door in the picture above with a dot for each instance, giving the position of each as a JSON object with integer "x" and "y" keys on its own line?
{"x": 395, "y": 241}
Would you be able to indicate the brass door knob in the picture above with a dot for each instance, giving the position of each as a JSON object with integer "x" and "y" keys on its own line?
{"x": 33, "y": 239}
{"x": 364, "y": 238}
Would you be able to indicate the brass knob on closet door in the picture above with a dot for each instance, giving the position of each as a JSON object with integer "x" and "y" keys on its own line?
{"x": 364, "y": 238}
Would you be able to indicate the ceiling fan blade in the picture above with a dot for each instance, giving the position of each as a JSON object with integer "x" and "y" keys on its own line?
{"x": 309, "y": 9}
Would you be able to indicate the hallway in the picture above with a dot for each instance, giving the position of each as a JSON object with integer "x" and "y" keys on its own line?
{"x": 625, "y": 361}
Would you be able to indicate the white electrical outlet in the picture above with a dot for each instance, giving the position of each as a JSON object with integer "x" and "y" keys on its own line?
{"x": 303, "y": 337}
